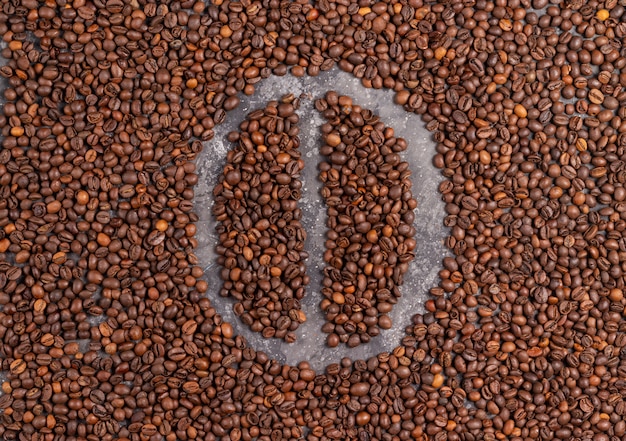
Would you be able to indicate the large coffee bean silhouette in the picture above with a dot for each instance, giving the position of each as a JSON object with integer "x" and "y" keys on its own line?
{"x": 422, "y": 273}
{"x": 367, "y": 190}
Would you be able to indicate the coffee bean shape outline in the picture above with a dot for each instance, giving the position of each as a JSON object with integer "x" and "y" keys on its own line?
{"x": 367, "y": 191}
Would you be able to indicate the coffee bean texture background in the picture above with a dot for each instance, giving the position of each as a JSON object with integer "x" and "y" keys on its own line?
{"x": 512, "y": 320}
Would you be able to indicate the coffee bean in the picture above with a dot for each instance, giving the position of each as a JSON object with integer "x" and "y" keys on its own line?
{"x": 102, "y": 122}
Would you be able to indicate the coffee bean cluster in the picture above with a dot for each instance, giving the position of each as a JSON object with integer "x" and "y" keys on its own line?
{"x": 105, "y": 330}
{"x": 370, "y": 243}
{"x": 261, "y": 237}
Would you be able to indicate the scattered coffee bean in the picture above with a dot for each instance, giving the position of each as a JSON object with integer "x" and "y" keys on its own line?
{"x": 105, "y": 329}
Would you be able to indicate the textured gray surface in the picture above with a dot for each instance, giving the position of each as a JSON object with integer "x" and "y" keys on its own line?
{"x": 423, "y": 270}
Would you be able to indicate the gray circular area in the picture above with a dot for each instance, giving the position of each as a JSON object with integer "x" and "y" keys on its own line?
{"x": 422, "y": 274}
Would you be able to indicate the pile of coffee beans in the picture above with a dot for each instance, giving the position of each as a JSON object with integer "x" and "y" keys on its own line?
{"x": 261, "y": 238}
{"x": 370, "y": 220}
{"x": 105, "y": 329}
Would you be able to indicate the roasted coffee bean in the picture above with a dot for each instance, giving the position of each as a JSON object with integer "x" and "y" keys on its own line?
{"x": 106, "y": 106}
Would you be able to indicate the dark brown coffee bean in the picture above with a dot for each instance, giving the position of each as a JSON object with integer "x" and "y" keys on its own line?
{"x": 523, "y": 337}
